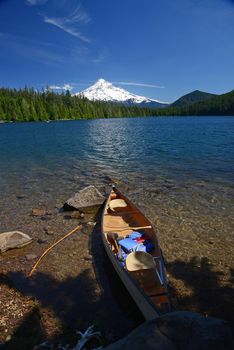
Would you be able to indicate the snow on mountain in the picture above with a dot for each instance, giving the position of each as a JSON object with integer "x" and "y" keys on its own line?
{"x": 102, "y": 90}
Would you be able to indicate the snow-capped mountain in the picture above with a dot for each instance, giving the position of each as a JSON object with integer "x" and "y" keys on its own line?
{"x": 102, "y": 90}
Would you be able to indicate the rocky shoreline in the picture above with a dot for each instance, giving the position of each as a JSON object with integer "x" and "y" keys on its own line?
{"x": 75, "y": 286}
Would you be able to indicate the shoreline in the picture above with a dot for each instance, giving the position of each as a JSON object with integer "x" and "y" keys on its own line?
{"x": 127, "y": 117}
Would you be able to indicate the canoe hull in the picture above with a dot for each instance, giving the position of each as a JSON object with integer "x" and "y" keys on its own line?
{"x": 111, "y": 220}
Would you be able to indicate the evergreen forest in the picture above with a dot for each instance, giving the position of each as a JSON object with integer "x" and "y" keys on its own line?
{"x": 30, "y": 105}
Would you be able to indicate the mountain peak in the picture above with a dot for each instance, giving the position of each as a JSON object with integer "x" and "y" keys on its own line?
{"x": 102, "y": 81}
{"x": 103, "y": 90}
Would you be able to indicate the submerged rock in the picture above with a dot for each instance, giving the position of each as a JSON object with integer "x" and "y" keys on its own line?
{"x": 13, "y": 239}
{"x": 178, "y": 330}
{"x": 84, "y": 200}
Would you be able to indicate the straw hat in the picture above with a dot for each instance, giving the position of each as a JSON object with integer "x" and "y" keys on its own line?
{"x": 139, "y": 261}
{"x": 117, "y": 203}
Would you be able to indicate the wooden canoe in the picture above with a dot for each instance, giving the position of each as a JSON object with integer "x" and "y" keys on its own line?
{"x": 142, "y": 273}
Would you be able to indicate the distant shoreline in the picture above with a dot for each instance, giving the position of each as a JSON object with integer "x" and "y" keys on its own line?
{"x": 131, "y": 117}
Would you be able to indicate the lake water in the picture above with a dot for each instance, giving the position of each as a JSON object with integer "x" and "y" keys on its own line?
{"x": 143, "y": 152}
{"x": 178, "y": 170}
{"x": 176, "y": 164}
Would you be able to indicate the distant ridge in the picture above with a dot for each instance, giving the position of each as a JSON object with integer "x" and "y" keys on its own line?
{"x": 194, "y": 96}
{"x": 105, "y": 91}
{"x": 219, "y": 105}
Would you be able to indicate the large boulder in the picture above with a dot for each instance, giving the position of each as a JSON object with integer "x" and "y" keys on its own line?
{"x": 13, "y": 239}
{"x": 178, "y": 330}
{"x": 85, "y": 200}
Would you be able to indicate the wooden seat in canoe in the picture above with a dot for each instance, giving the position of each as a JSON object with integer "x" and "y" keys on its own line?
{"x": 117, "y": 204}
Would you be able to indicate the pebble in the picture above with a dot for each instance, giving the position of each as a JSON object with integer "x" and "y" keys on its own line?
{"x": 88, "y": 258}
{"x": 30, "y": 256}
{"x": 38, "y": 212}
{"x": 20, "y": 196}
{"x": 49, "y": 230}
{"x": 41, "y": 241}
{"x": 91, "y": 223}
{"x": 73, "y": 215}
{"x": 8, "y": 338}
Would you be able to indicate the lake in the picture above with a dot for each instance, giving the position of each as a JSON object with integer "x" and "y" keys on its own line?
{"x": 178, "y": 170}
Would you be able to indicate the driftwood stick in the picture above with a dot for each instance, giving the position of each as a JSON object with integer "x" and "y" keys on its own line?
{"x": 52, "y": 246}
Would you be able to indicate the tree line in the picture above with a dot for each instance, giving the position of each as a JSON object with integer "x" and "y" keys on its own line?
{"x": 30, "y": 105}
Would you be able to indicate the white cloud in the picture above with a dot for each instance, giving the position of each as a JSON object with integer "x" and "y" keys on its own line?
{"x": 67, "y": 24}
{"x": 139, "y": 84}
{"x": 62, "y": 87}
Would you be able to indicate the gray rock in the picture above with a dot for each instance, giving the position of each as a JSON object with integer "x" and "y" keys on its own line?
{"x": 13, "y": 239}
{"x": 178, "y": 330}
{"x": 87, "y": 198}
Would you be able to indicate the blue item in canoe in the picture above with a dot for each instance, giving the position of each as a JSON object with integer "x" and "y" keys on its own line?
{"x": 128, "y": 245}
{"x": 135, "y": 235}
{"x": 146, "y": 246}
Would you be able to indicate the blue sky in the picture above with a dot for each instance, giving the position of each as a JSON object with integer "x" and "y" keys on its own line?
{"x": 158, "y": 48}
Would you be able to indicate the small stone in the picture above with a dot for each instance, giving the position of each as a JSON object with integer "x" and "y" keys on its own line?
{"x": 49, "y": 230}
{"x": 88, "y": 258}
{"x": 8, "y": 338}
{"x": 76, "y": 215}
{"x": 20, "y": 196}
{"x": 38, "y": 212}
{"x": 41, "y": 241}
{"x": 44, "y": 218}
{"x": 91, "y": 223}
{"x": 30, "y": 256}
{"x": 73, "y": 215}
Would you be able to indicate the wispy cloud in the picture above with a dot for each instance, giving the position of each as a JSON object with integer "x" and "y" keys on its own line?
{"x": 36, "y": 2}
{"x": 68, "y": 23}
{"x": 63, "y": 87}
{"x": 139, "y": 84}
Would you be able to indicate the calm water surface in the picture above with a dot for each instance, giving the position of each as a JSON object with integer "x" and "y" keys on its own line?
{"x": 139, "y": 151}
{"x": 179, "y": 164}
